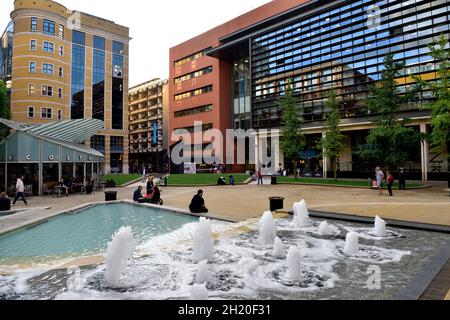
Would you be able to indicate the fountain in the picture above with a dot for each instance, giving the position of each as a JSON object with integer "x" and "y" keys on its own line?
{"x": 351, "y": 243}
{"x": 324, "y": 228}
{"x": 380, "y": 227}
{"x": 301, "y": 214}
{"x": 202, "y": 272}
{"x": 267, "y": 228}
{"x": 293, "y": 262}
{"x": 119, "y": 251}
{"x": 278, "y": 251}
{"x": 199, "y": 292}
{"x": 203, "y": 241}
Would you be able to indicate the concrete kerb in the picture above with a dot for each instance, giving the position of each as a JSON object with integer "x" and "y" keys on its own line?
{"x": 344, "y": 186}
{"x": 246, "y": 182}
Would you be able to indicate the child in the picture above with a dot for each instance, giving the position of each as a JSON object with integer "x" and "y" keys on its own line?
{"x": 390, "y": 182}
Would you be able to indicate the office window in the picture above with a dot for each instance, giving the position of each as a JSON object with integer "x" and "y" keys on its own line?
{"x": 31, "y": 89}
{"x": 47, "y": 91}
{"x": 98, "y": 79}
{"x": 61, "y": 51}
{"x": 30, "y": 112}
{"x": 60, "y": 114}
{"x": 48, "y": 47}
{"x": 60, "y": 93}
{"x": 194, "y": 111}
{"x": 116, "y": 144}
{"x": 47, "y": 68}
{"x": 61, "y": 31}
{"x": 98, "y": 143}
{"x": 48, "y": 27}
{"x": 117, "y": 86}
{"x": 34, "y": 24}
{"x": 78, "y": 37}
{"x": 46, "y": 113}
{"x": 78, "y": 74}
{"x": 33, "y": 45}
{"x": 32, "y": 67}
{"x": 60, "y": 72}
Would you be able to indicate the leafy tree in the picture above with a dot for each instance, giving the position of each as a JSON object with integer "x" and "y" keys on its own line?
{"x": 291, "y": 135}
{"x": 391, "y": 141}
{"x": 4, "y": 109}
{"x": 333, "y": 141}
{"x": 440, "y": 107}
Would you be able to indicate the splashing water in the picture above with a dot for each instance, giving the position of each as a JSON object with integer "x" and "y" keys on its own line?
{"x": 324, "y": 228}
{"x": 203, "y": 241}
{"x": 380, "y": 227}
{"x": 267, "y": 228}
{"x": 293, "y": 263}
{"x": 278, "y": 251}
{"x": 351, "y": 243}
{"x": 301, "y": 214}
{"x": 199, "y": 292}
{"x": 120, "y": 251}
{"x": 202, "y": 273}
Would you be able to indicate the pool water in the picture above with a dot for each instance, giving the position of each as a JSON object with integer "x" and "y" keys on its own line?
{"x": 86, "y": 232}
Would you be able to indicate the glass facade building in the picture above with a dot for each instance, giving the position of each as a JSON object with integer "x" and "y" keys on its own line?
{"x": 117, "y": 85}
{"x": 98, "y": 79}
{"x": 337, "y": 48}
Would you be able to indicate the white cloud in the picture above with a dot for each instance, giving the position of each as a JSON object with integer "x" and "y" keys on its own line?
{"x": 155, "y": 26}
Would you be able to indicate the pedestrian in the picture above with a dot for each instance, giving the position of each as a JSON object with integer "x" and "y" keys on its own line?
{"x": 198, "y": 203}
{"x": 380, "y": 177}
{"x": 390, "y": 182}
{"x": 232, "y": 180}
{"x": 297, "y": 171}
{"x": 20, "y": 191}
{"x": 260, "y": 177}
{"x": 402, "y": 179}
{"x": 144, "y": 175}
{"x": 150, "y": 184}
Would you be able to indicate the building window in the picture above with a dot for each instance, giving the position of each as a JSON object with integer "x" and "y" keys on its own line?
{"x": 47, "y": 91}
{"x": 60, "y": 72}
{"x": 98, "y": 143}
{"x": 98, "y": 79}
{"x": 30, "y": 113}
{"x": 60, "y": 114}
{"x": 48, "y": 27}
{"x": 32, "y": 67}
{"x": 61, "y": 51}
{"x": 205, "y": 127}
{"x": 46, "y": 113}
{"x": 116, "y": 144}
{"x": 192, "y": 57}
{"x": 193, "y": 93}
{"x": 47, "y": 68}
{"x": 194, "y": 111}
{"x": 78, "y": 74}
{"x": 33, "y": 45}
{"x": 117, "y": 86}
{"x": 48, "y": 47}
{"x": 60, "y": 93}
{"x": 31, "y": 89}
{"x": 61, "y": 31}
{"x": 34, "y": 24}
{"x": 194, "y": 74}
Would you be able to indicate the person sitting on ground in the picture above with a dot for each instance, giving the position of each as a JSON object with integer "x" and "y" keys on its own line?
{"x": 137, "y": 195}
{"x": 198, "y": 203}
{"x": 156, "y": 196}
{"x": 63, "y": 186}
{"x": 221, "y": 181}
{"x": 5, "y": 202}
{"x": 232, "y": 181}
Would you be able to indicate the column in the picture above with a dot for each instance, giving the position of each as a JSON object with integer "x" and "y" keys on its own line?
{"x": 60, "y": 164}
{"x": 325, "y": 160}
{"x": 41, "y": 173}
{"x": 424, "y": 153}
{"x": 275, "y": 151}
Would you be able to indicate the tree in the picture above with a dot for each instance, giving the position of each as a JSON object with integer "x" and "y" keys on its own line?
{"x": 291, "y": 135}
{"x": 4, "y": 109}
{"x": 333, "y": 141}
{"x": 391, "y": 141}
{"x": 440, "y": 107}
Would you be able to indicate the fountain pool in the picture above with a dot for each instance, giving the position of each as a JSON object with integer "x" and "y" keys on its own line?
{"x": 241, "y": 267}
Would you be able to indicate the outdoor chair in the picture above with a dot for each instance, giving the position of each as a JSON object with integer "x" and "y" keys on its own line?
{"x": 47, "y": 191}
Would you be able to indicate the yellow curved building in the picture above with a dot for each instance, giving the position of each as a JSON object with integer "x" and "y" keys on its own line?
{"x": 64, "y": 64}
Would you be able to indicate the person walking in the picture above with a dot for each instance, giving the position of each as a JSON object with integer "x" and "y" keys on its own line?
{"x": 402, "y": 180}
{"x": 260, "y": 177}
{"x": 380, "y": 177}
{"x": 20, "y": 191}
{"x": 390, "y": 182}
{"x": 297, "y": 170}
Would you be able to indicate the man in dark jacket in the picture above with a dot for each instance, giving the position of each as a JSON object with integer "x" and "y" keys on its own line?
{"x": 198, "y": 203}
{"x": 137, "y": 195}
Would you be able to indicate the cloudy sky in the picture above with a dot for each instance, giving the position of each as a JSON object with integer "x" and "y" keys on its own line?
{"x": 155, "y": 25}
